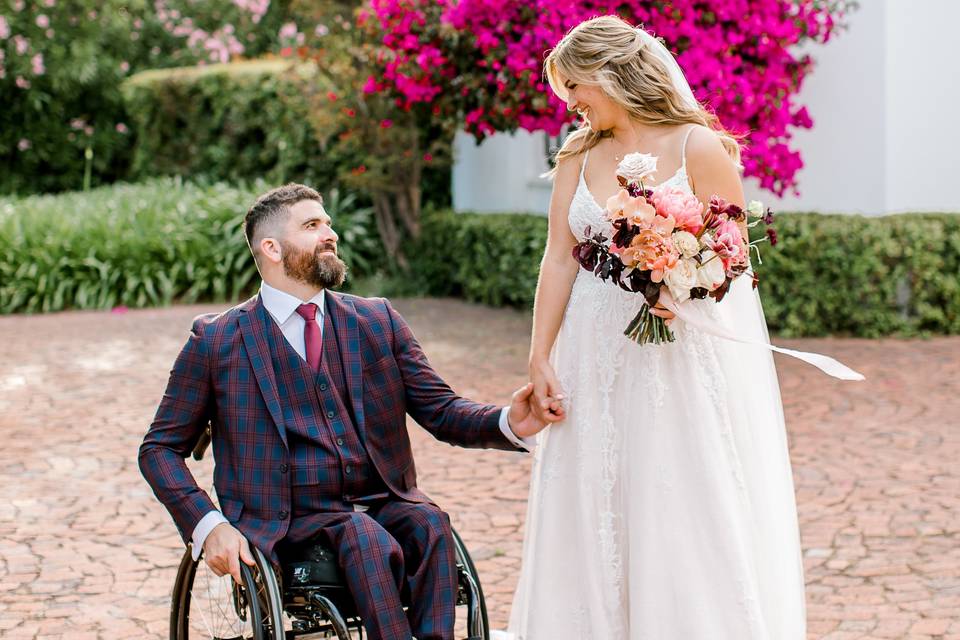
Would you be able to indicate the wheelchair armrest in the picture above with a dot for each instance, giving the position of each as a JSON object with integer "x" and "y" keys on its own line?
{"x": 202, "y": 443}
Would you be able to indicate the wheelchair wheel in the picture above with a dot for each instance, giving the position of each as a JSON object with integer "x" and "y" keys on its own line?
{"x": 208, "y": 607}
{"x": 471, "y": 593}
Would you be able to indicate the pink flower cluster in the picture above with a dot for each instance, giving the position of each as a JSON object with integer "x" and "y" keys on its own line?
{"x": 483, "y": 59}
{"x": 219, "y": 45}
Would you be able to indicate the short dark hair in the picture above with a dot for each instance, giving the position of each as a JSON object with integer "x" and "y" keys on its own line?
{"x": 274, "y": 204}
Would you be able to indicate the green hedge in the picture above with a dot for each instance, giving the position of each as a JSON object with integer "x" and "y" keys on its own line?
{"x": 229, "y": 122}
{"x": 145, "y": 245}
{"x": 167, "y": 240}
{"x": 830, "y": 274}
{"x": 244, "y": 120}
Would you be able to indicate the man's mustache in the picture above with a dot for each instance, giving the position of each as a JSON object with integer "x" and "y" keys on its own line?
{"x": 328, "y": 246}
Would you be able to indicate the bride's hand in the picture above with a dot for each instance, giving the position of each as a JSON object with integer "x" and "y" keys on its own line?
{"x": 662, "y": 312}
{"x": 547, "y": 393}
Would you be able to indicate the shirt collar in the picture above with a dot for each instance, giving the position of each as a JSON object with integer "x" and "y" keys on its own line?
{"x": 282, "y": 305}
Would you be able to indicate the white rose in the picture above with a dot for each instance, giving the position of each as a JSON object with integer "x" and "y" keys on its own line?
{"x": 755, "y": 208}
{"x": 710, "y": 274}
{"x": 686, "y": 243}
{"x": 636, "y": 166}
{"x": 681, "y": 279}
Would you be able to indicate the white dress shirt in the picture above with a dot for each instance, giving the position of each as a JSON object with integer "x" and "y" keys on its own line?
{"x": 282, "y": 307}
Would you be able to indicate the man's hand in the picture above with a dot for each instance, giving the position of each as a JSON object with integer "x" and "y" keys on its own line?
{"x": 223, "y": 550}
{"x": 523, "y": 420}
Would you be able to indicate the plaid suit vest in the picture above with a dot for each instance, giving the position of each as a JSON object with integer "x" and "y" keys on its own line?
{"x": 330, "y": 467}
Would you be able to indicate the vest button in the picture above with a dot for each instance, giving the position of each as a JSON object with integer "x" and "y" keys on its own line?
{"x": 330, "y": 414}
{"x": 323, "y": 386}
{"x": 347, "y": 470}
{"x": 284, "y": 468}
{"x": 283, "y": 515}
{"x": 340, "y": 442}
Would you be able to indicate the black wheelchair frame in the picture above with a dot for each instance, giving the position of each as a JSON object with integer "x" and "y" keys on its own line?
{"x": 308, "y": 588}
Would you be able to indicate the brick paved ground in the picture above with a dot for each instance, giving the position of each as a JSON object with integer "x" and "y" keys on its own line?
{"x": 85, "y": 551}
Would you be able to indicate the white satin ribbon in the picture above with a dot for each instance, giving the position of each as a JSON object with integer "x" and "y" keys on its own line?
{"x": 826, "y": 364}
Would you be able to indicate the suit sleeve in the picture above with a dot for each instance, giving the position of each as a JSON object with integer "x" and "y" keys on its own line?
{"x": 434, "y": 405}
{"x": 180, "y": 420}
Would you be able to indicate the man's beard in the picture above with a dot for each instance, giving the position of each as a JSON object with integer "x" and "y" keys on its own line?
{"x": 320, "y": 269}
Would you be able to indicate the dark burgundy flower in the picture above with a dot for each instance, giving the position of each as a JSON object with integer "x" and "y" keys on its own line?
{"x": 772, "y": 235}
{"x": 587, "y": 254}
{"x": 718, "y": 293}
{"x": 625, "y": 233}
{"x": 768, "y": 217}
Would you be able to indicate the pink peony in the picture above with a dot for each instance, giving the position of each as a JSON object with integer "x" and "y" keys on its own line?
{"x": 4, "y": 28}
{"x": 681, "y": 205}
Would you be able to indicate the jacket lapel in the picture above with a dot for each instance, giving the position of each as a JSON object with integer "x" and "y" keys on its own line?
{"x": 253, "y": 327}
{"x": 343, "y": 314}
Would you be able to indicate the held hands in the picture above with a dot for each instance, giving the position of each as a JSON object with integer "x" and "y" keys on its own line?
{"x": 523, "y": 416}
{"x": 224, "y": 549}
{"x": 548, "y": 396}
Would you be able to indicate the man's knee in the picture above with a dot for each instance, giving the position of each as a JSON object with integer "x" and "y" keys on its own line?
{"x": 365, "y": 540}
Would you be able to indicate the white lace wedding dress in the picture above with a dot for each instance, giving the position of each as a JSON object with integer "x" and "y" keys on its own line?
{"x": 662, "y": 508}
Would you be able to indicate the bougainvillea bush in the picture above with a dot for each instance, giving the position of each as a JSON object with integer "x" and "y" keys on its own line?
{"x": 481, "y": 61}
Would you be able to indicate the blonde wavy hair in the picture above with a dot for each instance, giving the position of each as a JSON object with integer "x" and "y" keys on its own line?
{"x": 609, "y": 53}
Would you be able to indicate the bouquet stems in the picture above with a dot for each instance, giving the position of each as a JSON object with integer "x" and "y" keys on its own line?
{"x": 646, "y": 328}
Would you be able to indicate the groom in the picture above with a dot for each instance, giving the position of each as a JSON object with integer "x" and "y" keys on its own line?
{"x": 307, "y": 392}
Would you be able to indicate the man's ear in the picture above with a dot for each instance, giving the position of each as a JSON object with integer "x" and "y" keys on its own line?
{"x": 270, "y": 250}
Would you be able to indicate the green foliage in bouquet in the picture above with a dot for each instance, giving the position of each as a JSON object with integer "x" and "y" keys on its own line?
{"x": 151, "y": 244}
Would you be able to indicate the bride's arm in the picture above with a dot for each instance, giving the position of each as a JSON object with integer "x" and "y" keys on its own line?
{"x": 712, "y": 171}
{"x": 557, "y": 272}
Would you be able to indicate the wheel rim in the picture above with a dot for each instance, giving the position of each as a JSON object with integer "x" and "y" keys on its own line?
{"x": 212, "y": 607}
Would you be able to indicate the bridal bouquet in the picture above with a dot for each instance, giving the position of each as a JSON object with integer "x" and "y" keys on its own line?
{"x": 666, "y": 237}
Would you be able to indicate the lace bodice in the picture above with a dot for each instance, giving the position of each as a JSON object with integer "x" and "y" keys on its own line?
{"x": 586, "y": 211}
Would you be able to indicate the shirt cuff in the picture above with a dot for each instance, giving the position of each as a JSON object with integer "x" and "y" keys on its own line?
{"x": 527, "y": 444}
{"x": 203, "y": 529}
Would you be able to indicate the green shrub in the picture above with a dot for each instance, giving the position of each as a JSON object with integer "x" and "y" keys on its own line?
{"x": 830, "y": 274}
{"x": 248, "y": 120}
{"x": 145, "y": 245}
{"x": 61, "y": 67}
{"x": 230, "y": 122}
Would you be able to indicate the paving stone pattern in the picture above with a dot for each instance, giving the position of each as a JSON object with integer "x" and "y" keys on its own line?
{"x": 87, "y": 553}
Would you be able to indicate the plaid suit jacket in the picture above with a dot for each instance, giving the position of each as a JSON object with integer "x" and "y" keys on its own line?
{"x": 224, "y": 375}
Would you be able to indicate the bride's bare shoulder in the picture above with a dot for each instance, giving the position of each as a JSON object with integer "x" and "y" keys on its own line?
{"x": 567, "y": 175}
{"x": 705, "y": 146}
{"x": 707, "y": 156}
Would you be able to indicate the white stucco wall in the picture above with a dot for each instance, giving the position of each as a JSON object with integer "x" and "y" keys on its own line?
{"x": 502, "y": 174}
{"x": 883, "y": 95}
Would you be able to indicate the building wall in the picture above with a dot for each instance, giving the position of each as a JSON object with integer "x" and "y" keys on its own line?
{"x": 883, "y": 95}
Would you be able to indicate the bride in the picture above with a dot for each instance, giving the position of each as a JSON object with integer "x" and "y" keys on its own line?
{"x": 662, "y": 506}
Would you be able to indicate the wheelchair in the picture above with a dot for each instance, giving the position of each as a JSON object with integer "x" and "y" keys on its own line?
{"x": 306, "y": 596}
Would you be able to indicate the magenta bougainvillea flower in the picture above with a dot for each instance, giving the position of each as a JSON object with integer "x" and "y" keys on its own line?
{"x": 481, "y": 61}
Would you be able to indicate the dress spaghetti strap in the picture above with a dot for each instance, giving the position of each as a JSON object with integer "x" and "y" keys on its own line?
{"x": 683, "y": 149}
